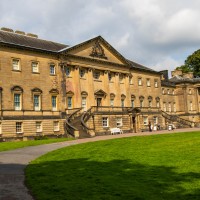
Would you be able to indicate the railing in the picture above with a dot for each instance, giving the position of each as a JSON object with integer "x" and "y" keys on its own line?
{"x": 109, "y": 109}
{"x": 176, "y": 118}
{"x": 69, "y": 128}
{"x": 85, "y": 117}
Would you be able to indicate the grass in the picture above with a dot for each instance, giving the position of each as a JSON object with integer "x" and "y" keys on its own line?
{"x": 144, "y": 168}
{"x": 5, "y": 146}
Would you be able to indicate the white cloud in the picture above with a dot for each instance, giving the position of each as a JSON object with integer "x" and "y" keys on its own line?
{"x": 151, "y": 32}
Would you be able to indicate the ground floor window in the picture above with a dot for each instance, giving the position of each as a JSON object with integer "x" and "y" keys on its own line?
{"x": 119, "y": 121}
{"x": 19, "y": 127}
{"x": 105, "y": 121}
{"x": 145, "y": 120}
{"x": 56, "y": 126}
{"x": 38, "y": 126}
{"x": 155, "y": 120}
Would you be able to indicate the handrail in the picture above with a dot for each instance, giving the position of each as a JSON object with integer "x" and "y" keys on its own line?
{"x": 177, "y": 119}
{"x": 70, "y": 129}
{"x": 85, "y": 117}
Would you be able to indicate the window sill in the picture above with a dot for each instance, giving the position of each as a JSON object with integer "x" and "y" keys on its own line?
{"x": 56, "y": 130}
{"x": 97, "y": 80}
{"x": 35, "y": 72}
{"x": 52, "y": 74}
{"x": 15, "y": 70}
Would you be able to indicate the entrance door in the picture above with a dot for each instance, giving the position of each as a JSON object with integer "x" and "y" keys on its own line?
{"x": 99, "y": 101}
{"x": 133, "y": 121}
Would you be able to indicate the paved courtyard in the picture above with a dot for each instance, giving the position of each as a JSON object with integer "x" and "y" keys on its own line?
{"x": 13, "y": 163}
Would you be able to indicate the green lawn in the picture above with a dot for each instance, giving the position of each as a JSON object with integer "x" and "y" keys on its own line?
{"x": 155, "y": 167}
{"x": 5, "y": 146}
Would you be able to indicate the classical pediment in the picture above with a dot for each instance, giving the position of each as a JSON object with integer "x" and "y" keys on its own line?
{"x": 98, "y": 49}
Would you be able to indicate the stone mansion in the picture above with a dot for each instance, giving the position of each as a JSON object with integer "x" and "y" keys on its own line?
{"x": 53, "y": 89}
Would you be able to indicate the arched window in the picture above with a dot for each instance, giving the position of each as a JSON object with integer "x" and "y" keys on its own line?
{"x": 123, "y": 97}
{"x": 84, "y": 100}
{"x": 112, "y": 97}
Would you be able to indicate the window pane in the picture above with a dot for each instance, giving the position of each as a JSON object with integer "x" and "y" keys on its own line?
{"x": 38, "y": 126}
{"x": 18, "y": 127}
{"x": 34, "y": 67}
{"x": 36, "y": 102}
{"x": 52, "y": 69}
{"x": 17, "y": 103}
{"x": 69, "y": 102}
{"x": 56, "y": 126}
{"x": 15, "y": 64}
{"x": 105, "y": 121}
{"x": 54, "y": 102}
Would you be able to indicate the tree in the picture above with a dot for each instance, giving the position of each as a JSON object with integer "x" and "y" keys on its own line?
{"x": 192, "y": 64}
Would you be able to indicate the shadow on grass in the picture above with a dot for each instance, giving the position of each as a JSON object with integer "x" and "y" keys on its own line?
{"x": 117, "y": 179}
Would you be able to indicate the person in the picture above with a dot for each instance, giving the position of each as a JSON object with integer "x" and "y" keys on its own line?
{"x": 150, "y": 127}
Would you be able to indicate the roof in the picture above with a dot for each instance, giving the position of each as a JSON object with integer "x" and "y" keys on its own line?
{"x": 180, "y": 79}
{"x": 29, "y": 42}
{"x": 140, "y": 67}
{"x": 167, "y": 83}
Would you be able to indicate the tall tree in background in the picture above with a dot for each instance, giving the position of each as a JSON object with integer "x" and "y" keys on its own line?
{"x": 192, "y": 64}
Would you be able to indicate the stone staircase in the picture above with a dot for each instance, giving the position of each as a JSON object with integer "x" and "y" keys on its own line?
{"x": 177, "y": 119}
{"x": 77, "y": 124}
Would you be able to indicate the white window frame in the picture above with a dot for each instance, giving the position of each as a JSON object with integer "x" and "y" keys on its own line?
{"x": 111, "y": 102}
{"x": 19, "y": 127}
{"x": 156, "y": 83}
{"x": 155, "y": 120}
{"x": 105, "y": 122}
{"x": 17, "y": 104}
{"x": 56, "y": 126}
{"x": 84, "y": 102}
{"x": 119, "y": 122}
{"x": 145, "y": 120}
{"x": 37, "y": 108}
{"x": 148, "y": 82}
{"x": 35, "y": 67}
{"x": 16, "y": 66}
{"x": 140, "y": 81}
{"x": 38, "y": 126}
{"x": 52, "y": 69}
{"x": 122, "y": 103}
{"x": 54, "y": 102}
{"x": 69, "y": 102}
{"x": 157, "y": 104}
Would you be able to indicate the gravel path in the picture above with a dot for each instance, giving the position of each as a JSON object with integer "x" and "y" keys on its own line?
{"x": 13, "y": 163}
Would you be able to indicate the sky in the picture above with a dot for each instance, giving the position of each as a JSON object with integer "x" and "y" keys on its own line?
{"x": 159, "y": 34}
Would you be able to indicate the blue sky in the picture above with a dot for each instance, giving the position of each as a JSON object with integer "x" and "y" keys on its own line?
{"x": 157, "y": 33}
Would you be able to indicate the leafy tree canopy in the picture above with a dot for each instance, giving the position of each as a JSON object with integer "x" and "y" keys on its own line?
{"x": 192, "y": 64}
